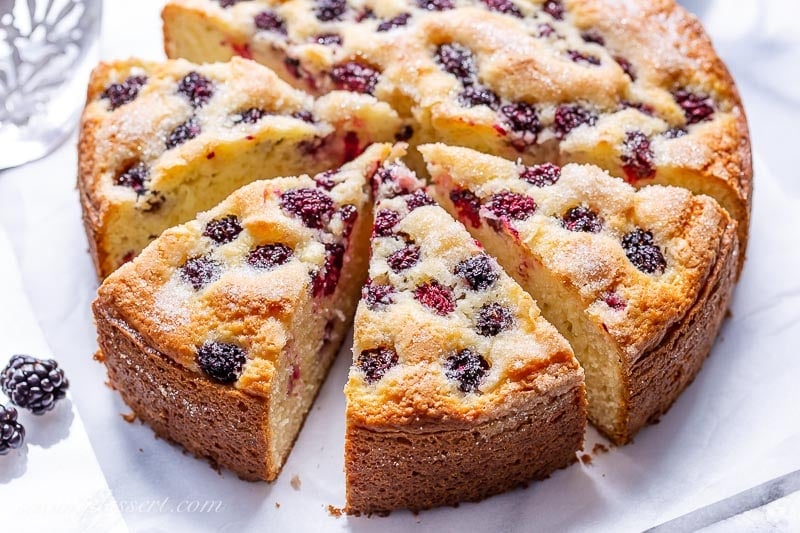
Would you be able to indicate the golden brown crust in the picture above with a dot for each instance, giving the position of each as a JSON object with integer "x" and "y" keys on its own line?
{"x": 419, "y": 467}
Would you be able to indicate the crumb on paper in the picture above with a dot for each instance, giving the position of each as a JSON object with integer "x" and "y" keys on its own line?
{"x": 336, "y": 512}
{"x": 277, "y": 505}
{"x": 130, "y": 418}
{"x": 110, "y": 385}
{"x": 99, "y": 356}
{"x": 141, "y": 450}
{"x": 599, "y": 448}
{"x": 295, "y": 482}
{"x": 586, "y": 459}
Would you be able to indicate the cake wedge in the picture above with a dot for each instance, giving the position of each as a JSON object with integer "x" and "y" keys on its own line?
{"x": 637, "y": 281}
{"x": 161, "y": 142}
{"x": 220, "y": 333}
{"x": 459, "y": 388}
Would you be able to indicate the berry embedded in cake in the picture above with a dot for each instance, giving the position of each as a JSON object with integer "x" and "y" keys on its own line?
{"x": 542, "y": 81}
{"x": 457, "y": 381}
{"x": 238, "y": 314}
{"x": 638, "y": 282}
{"x": 162, "y": 141}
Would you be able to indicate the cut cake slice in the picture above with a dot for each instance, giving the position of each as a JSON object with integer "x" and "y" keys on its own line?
{"x": 220, "y": 332}
{"x": 161, "y": 142}
{"x": 459, "y": 388}
{"x": 638, "y": 282}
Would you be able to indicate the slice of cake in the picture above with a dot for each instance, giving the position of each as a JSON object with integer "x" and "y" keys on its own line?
{"x": 459, "y": 388}
{"x": 638, "y": 282}
{"x": 634, "y": 87}
{"x": 221, "y": 331}
{"x": 162, "y": 141}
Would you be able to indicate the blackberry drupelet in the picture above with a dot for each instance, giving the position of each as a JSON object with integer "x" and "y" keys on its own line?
{"x": 12, "y": 434}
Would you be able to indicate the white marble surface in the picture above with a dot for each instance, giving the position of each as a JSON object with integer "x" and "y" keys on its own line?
{"x": 737, "y": 426}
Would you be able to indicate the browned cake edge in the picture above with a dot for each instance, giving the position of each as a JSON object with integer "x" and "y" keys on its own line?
{"x": 213, "y": 421}
{"x": 210, "y": 420}
{"x": 655, "y": 380}
{"x": 90, "y": 213}
{"x": 420, "y": 468}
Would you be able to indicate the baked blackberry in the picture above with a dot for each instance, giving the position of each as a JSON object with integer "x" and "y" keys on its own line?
{"x": 34, "y": 384}
{"x": 12, "y": 433}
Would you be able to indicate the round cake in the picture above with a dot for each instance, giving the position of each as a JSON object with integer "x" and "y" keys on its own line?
{"x": 573, "y": 256}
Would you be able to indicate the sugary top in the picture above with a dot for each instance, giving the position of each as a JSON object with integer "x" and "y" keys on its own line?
{"x": 442, "y": 334}
{"x": 218, "y": 294}
{"x": 637, "y": 259}
{"x": 633, "y": 86}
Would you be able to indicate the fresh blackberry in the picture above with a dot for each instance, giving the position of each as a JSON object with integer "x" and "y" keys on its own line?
{"x": 270, "y": 21}
{"x": 269, "y": 256}
{"x": 475, "y": 95}
{"x": 249, "y": 116}
{"x": 376, "y": 362}
{"x": 582, "y": 219}
{"x": 503, "y": 6}
{"x": 396, "y": 22}
{"x": 183, "y": 132}
{"x": 478, "y": 272}
{"x": 12, "y": 434}
{"x": 435, "y": 5}
{"x": 222, "y": 362}
{"x": 33, "y": 383}
{"x": 467, "y": 368}
{"x": 223, "y": 230}
{"x": 492, "y": 319}
{"x": 134, "y": 176}
{"x": 200, "y": 271}
{"x": 554, "y": 8}
{"x": 541, "y": 175}
{"x": 436, "y": 297}
{"x": 643, "y": 252}
{"x": 312, "y": 206}
{"x": 458, "y": 60}
{"x": 355, "y": 77}
{"x": 119, "y": 94}
{"x": 197, "y": 88}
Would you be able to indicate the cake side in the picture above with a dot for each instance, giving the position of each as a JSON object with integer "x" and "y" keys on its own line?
{"x": 210, "y": 420}
{"x": 418, "y": 466}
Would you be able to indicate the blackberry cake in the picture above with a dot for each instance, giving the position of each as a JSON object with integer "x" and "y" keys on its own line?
{"x": 220, "y": 332}
{"x": 637, "y": 281}
{"x": 162, "y": 141}
{"x": 459, "y": 388}
{"x": 634, "y": 87}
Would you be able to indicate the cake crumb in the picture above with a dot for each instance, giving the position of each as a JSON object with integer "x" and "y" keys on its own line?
{"x": 277, "y": 505}
{"x": 586, "y": 459}
{"x": 99, "y": 356}
{"x": 335, "y": 512}
{"x": 295, "y": 482}
{"x": 599, "y": 448}
{"x": 110, "y": 385}
{"x": 128, "y": 417}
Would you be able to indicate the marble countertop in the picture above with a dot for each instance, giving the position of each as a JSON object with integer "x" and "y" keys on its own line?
{"x": 724, "y": 458}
